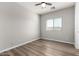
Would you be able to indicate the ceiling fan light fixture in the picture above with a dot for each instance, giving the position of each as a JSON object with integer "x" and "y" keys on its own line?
{"x": 43, "y": 5}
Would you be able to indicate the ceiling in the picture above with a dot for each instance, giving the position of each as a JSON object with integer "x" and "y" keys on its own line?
{"x": 37, "y": 9}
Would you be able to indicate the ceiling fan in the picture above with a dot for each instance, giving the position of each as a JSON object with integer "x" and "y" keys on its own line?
{"x": 43, "y": 4}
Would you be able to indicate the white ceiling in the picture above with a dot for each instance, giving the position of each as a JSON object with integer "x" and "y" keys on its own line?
{"x": 37, "y": 9}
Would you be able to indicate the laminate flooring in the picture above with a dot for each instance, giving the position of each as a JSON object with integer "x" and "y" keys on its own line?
{"x": 42, "y": 47}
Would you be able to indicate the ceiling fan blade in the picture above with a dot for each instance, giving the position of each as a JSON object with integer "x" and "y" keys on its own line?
{"x": 48, "y": 3}
{"x": 38, "y": 4}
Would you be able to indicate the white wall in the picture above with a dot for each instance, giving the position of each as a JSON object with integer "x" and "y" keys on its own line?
{"x": 77, "y": 25}
{"x": 66, "y": 34}
{"x": 17, "y": 25}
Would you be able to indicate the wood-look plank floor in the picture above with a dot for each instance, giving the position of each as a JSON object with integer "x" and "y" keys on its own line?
{"x": 43, "y": 47}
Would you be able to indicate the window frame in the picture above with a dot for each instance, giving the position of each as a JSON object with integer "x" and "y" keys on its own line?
{"x": 54, "y": 28}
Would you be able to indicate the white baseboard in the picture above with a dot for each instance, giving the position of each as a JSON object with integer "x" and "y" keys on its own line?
{"x": 7, "y": 49}
{"x": 57, "y": 40}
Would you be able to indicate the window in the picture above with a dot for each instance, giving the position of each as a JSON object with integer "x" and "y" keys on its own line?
{"x": 49, "y": 24}
{"x": 54, "y": 24}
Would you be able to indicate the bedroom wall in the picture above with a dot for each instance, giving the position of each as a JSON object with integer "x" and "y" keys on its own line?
{"x": 66, "y": 34}
{"x": 17, "y": 25}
